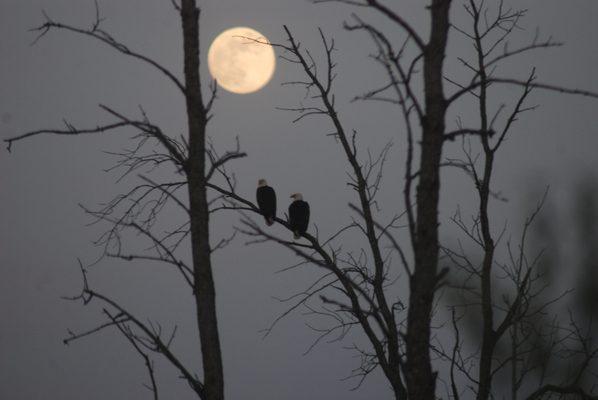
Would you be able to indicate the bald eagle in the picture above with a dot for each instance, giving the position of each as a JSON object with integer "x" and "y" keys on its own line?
{"x": 266, "y": 201}
{"x": 298, "y": 215}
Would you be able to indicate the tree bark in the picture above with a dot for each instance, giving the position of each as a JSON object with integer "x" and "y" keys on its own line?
{"x": 421, "y": 379}
{"x": 205, "y": 295}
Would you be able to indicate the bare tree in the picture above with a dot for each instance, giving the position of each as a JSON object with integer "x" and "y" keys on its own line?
{"x": 357, "y": 288}
{"x": 517, "y": 318}
{"x": 195, "y": 162}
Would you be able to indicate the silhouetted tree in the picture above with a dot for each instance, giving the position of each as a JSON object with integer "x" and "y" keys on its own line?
{"x": 195, "y": 162}
{"x": 358, "y": 287}
{"x": 513, "y": 321}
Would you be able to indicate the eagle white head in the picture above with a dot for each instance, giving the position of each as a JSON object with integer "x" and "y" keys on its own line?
{"x": 297, "y": 196}
{"x": 262, "y": 182}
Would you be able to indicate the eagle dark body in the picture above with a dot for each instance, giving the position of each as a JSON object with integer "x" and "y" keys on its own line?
{"x": 266, "y": 201}
{"x": 299, "y": 217}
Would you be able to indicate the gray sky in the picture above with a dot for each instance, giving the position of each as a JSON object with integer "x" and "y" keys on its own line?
{"x": 43, "y": 231}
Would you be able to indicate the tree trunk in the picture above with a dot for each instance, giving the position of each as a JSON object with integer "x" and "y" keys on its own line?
{"x": 205, "y": 296}
{"x": 421, "y": 380}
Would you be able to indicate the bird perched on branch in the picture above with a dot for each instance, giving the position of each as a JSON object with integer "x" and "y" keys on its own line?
{"x": 266, "y": 201}
{"x": 298, "y": 215}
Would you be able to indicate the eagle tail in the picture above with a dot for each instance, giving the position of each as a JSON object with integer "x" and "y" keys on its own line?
{"x": 296, "y": 235}
{"x": 269, "y": 221}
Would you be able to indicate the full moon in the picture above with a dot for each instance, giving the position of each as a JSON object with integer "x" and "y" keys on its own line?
{"x": 240, "y": 64}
